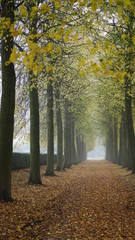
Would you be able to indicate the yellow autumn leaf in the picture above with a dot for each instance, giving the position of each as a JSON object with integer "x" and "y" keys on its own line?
{"x": 45, "y": 8}
{"x": 81, "y": 4}
{"x": 126, "y": 18}
{"x": 133, "y": 40}
{"x": 75, "y": 38}
{"x": 127, "y": 3}
{"x": 7, "y": 63}
{"x": 66, "y": 38}
{"x": 23, "y": 11}
{"x": 103, "y": 65}
{"x": 100, "y": 2}
{"x": 106, "y": 44}
{"x": 93, "y": 51}
{"x": 88, "y": 70}
{"x": 57, "y": 5}
{"x": 81, "y": 73}
{"x": 82, "y": 62}
{"x": 94, "y": 6}
{"x": 73, "y": 1}
{"x": 14, "y": 55}
{"x": 25, "y": 60}
{"x": 89, "y": 42}
{"x": 50, "y": 47}
{"x": 110, "y": 2}
{"x": 119, "y": 11}
{"x": 35, "y": 71}
{"x": 48, "y": 68}
{"x": 58, "y": 36}
{"x": 57, "y": 50}
{"x": 123, "y": 36}
{"x": 34, "y": 11}
{"x": 95, "y": 67}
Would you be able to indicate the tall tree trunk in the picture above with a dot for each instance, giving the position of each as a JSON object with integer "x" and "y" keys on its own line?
{"x": 73, "y": 156}
{"x": 66, "y": 139}
{"x": 7, "y": 105}
{"x": 107, "y": 156}
{"x": 59, "y": 132}
{"x": 123, "y": 142}
{"x": 34, "y": 132}
{"x": 69, "y": 140}
{"x": 115, "y": 142}
{"x": 34, "y": 114}
{"x": 129, "y": 68}
{"x": 50, "y": 130}
{"x": 78, "y": 146}
{"x": 83, "y": 149}
{"x": 110, "y": 145}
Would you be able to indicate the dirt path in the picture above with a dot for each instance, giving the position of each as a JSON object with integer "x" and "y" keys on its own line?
{"x": 89, "y": 201}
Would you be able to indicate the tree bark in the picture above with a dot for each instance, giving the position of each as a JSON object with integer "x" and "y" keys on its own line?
{"x": 115, "y": 142}
{"x": 128, "y": 90}
{"x": 34, "y": 132}
{"x": 73, "y": 155}
{"x": 7, "y": 105}
{"x": 50, "y": 130}
{"x": 123, "y": 146}
{"x": 59, "y": 132}
{"x": 110, "y": 145}
{"x": 78, "y": 146}
{"x": 66, "y": 138}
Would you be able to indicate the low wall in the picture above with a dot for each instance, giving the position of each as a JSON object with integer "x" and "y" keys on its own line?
{"x": 22, "y": 160}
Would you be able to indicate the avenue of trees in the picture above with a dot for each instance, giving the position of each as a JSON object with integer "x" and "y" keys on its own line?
{"x": 67, "y": 68}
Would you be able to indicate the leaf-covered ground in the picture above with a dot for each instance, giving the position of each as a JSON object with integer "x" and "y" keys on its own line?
{"x": 93, "y": 200}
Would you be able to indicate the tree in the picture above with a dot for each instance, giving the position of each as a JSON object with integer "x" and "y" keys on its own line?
{"x": 34, "y": 114}
{"x": 7, "y": 102}
{"x": 34, "y": 132}
{"x": 60, "y": 162}
{"x": 123, "y": 143}
{"x": 50, "y": 131}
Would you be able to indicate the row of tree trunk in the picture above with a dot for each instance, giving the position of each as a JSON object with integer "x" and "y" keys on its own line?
{"x": 73, "y": 152}
{"x": 71, "y": 148}
{"x": 7, "y": 122}
{"x": 120, "y": 143}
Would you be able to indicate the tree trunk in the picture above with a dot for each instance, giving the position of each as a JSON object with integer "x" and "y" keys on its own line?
{"x": 78, "y": 146}
{"x": 69, "y": 141}
{"x": 59, "y": 132}
{"x": 108, "y": 157}
{"x": 66, "y": 139}
{"x": 73, "y": 156}
{"x": 50, "y": 128}
{"x": 115, "y": 139}
{"x": 34, "y": 132}
{"x": 83, "y": 150}
{"x": 7, "y": 106}
{"x": 110, "y": 145}
{"x": 123, "y": 142}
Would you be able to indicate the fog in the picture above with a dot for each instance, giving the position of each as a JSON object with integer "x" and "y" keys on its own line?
{"x": 98, "y": 153}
